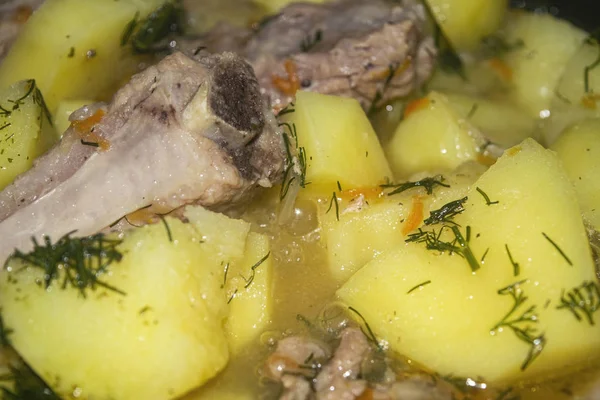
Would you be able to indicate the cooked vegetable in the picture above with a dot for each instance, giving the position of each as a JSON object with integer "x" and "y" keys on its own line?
{"x": 467, "y": 22}
{"x": 80, "y": 55}
{"x": 514, "y": 313}
{"x": 26, "y": 129}
{"x": 63, "y": 112}
{"x": 372, "y": 222}
{"x": 579, "y": 150}
{"x": 147, "y": 324}
{"x": 338, "y": 142}
{"x": 432, "y": 138}
{"x": 548, "y": 44}
{"x": 249, "y": 293}
{"x": 500, "y": 121}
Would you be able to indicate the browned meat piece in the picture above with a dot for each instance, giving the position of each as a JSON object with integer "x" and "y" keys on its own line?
{"x": 373, "y": 50}
{"x": 338, "y": 378}
{"x": 181, "y": 132}
{"x": 13, "y": 14}
{"x": 305, "y": 371}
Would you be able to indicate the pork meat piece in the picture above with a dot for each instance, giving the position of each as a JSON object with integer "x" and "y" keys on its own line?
{"x": 13, "y": 15}
{"x": 181, "y": 132}
{"x": 373, "y": 51}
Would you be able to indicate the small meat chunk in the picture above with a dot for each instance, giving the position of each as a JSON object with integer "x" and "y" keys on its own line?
{"x": 373, "y": 51}
{"x": 13, "y": 15}
{"x": 182, "y": 132}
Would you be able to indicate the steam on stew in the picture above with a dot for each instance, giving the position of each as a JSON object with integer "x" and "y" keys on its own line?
{"x": 323, "y": 200}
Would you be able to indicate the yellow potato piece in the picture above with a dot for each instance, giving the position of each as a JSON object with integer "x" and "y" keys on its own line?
{"x": 432, "y": 308}
{"x": 26, "y": 129}
{"x": 433, "y": 138}
{"x": 161, "y": 339}
{"x": 249, "y": 293}
{"x": 340, "y": 143}
{"x": 467, "y": 22}
{"x": 548, "y": 44}
{"x": 73, "y": 48}
{"x": 579, "y": 150}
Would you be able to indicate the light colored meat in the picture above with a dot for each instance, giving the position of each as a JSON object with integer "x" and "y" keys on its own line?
{"x": 373, "y": 51}
{"x": 181, "y": 132}
{"x": 338, "y": 378}
{"x": 295, "y": 355}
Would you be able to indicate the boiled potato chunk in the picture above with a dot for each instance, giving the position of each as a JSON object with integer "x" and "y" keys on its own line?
{"x": 431, "y": 306}
{"x": 340, "y": 143}
{"x": 26, "y": 129}
{"x": 249, "y": 293}
{"x": 467, "y": 22}
{"x": 537, "y": 66}
{"x": 432, "y": 138}
{"x": 370, "y": 225}
{"x": 73, "y": 49}
{"x": 572, "y": 86}
{"x": 159, "y": 340}
{"x": 579, "y": 150}
{"x": 499, "y": 121}
{"x": 63, "y": 112}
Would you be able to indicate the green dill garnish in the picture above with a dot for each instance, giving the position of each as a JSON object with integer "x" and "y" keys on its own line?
{"x": 225, "y": 272}
{"x": 522, "y": 324}
{"x": 561, "y": 97}
{"x": 562, "y": 253}
{"x": 4, "y": 333}
{"x": 463, "y": 384}
{"x": 472, "y": 111}
{"x": 91, "y": 144}
{"x": 516, "y": 266}
{"x": 287, "y": 110}
{"x": 144, "y": 310}
{"x": 339, "y": 186}
{"x": 588, "y": 68}
{"x": 334, "y": 200}
{"x": 486, "y": 197}
{"x": 427, "y": 183}
{"x": 584, "y": 299}
{"x": 496, "y": 46}
{"x": 168, "y": 229}
{"x": 484, "y": 254}
{"x": 253, "y": 270}
{"x": 311, "y": 41}
{"x": 296, "y": 161}
{"x": 232, "y": 296}
{"x": 150, "y": 34}
{"x": 305, "y": 321}
{"x": 80, "y": 261}
{"x": 381, "y": 92}
{"x": 420, "y": 285}
{"x": 21, "y": 383}
{"x": 504, "y": 395}
{"x": 446, "y": 212}
{"x": 459, "y": 245}
{"x": 369, "y": 333}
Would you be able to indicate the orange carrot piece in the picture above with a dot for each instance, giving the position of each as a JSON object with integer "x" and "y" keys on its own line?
{"x": 415, "y": 216}
{"x": 291, "y": 84}
{"x": 85, "y": 130}
{"x": 501, "y": 68}
{"x": 416, "y": 105}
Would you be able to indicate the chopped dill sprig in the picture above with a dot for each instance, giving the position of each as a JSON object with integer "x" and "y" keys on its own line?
{"x": 253, "y": 270}
{"x": 588, "y": 68}
{"x": 91, "y": 144}
{"x": 150, "y": 34}
{"x": 562, "y": 253}
{"x": 504, "y": 395}
{"x": 290, "y": 108}
{"x": 339, "y": 186}
{"x": 484, "y": 254}
{"x": 233, "y": 295}
{"x": 80, "y": 261}
{"x": 4, "y": 333}
{"x": 311, "y": 41}
{"x": 473, "y": 110}
{"x": 305, "y": 321}
{"x": 369, "y": 333}
{"x": 164, "y": 221}
{"x": 332, "y": 202}
{"x": 420, "y": 285}
{"x": 523, "y": 325}
{"x": 584, "y": 299}
{"x": 296, "y": 161}
{"x": 464, "y": 384}
{"x": 516, "y": 266}
{"x": 225, "y": 272}
{"x": 446, "y": 212}
{"x": 496, "y": 46}
{"x": 21, "y": 383}
{"x": 427, "y": 183}
{"x": 459, "y": 245}
{"x": 488, "y": 202}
